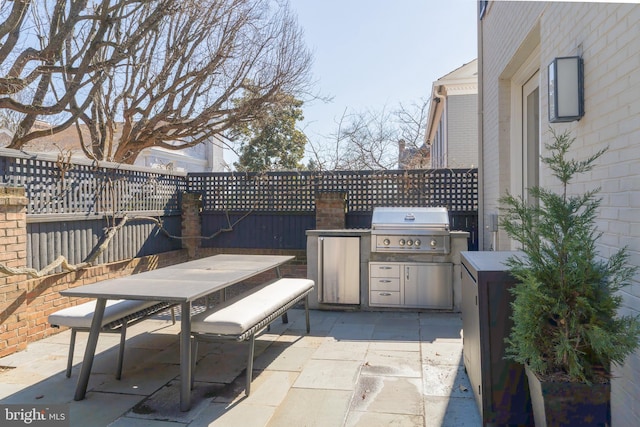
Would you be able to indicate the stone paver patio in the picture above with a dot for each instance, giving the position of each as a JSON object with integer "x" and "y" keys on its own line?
{"x": 355, "y": 369}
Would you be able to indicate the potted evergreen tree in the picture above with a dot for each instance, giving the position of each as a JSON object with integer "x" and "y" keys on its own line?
{"x": 567, "y": 330}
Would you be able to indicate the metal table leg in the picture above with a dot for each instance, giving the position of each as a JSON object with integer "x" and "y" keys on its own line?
{"x": 90, "y": 350}
{"x": 285, "y": 315}
{"x": 185, "y": 356}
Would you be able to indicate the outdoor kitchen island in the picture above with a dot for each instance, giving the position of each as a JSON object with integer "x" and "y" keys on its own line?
{"x": 408, "y": 278}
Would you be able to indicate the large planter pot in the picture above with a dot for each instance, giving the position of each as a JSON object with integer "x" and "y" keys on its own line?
{"x": 564, "y": 404}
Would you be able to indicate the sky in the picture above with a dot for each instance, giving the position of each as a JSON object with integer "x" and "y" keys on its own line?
{"x": 374, "y": 54}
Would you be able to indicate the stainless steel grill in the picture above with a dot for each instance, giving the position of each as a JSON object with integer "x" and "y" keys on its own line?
{"x": 410, "y": 230}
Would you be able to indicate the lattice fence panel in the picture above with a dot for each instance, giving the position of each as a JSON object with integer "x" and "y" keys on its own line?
{"x": 455, "y": 189}
{"x": 53, "y": 187}
{"x": 268, "y": 192}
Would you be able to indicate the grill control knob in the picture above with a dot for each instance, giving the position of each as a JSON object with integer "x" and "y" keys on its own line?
{"x": 417, "y": 242}
{"x": 409, "y": 242}
{"x": 433, "y": 243}
{"x": 401, "y": 242}
{"x": 386, "y": 242}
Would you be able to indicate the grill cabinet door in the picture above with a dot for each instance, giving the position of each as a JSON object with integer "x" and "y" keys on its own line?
{"x": 428, "y": 285}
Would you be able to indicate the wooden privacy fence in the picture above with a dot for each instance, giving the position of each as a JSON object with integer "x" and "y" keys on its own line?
{"x": 55, "y": 186}
{"x": 71, "y": 204}
{"x": 274, "y": 209}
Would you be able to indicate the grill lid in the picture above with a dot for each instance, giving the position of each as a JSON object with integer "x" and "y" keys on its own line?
{"x": 385, "y": 218}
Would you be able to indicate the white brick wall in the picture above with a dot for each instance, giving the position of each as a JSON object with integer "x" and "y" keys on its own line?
{"x": 504, "y": 26}
{"x": 607, "y": 35}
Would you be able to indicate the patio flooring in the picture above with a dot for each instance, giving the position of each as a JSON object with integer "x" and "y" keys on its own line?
{"x": 353, "y": 369}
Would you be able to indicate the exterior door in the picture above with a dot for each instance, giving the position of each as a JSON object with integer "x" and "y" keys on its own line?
{"x": 524, "y": 144}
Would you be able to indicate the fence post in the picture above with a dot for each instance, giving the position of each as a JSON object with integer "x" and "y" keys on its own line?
{"x": 13, "y": 253}
{"x": 191, "y": 222}
{"x": 331, "y": 208}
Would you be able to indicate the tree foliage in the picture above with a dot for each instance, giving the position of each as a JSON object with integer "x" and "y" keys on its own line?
{"x": 142, "y": 73}
{"x": 565, "y": 311}
{"x": 272, "y": 140}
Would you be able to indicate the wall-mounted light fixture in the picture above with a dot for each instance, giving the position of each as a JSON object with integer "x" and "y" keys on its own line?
{"x": 566, "y": 89}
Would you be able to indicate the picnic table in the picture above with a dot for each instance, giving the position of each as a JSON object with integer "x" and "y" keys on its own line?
{"x": 181, "y": 284}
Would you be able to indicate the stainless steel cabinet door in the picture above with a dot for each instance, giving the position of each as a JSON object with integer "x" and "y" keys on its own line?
{"x": 339, "y": 268}
{"x": 428, "y": 285}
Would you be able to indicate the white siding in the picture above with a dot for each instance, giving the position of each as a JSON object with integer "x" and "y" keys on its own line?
{"x": 439, "y": 147}
{"x": 462, "y": 121}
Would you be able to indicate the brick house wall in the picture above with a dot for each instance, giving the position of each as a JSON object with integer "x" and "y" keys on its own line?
{"x": 501, "y": 35}
{"x": 606, "y": 35}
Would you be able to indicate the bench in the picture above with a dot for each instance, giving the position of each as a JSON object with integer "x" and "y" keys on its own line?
{"x": 118, "y": 314}
{"x": 247, "y": 314}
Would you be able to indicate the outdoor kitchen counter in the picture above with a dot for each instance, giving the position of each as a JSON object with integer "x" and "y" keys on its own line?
{"x": 459, "y": 243}
{"x": 313, "y": 237}
{"x": 356, "y": 232}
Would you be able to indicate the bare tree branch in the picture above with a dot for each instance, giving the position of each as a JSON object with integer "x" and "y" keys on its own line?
{"x": 370, "y": 140}
{"x": 139, "y": 73}
{"x": 214, "y": 49}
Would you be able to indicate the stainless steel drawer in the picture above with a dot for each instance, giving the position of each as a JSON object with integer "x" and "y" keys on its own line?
{"x": 385, "y": 284}
{"x": 384, "y": 298}
{"x": 384, "y": 270}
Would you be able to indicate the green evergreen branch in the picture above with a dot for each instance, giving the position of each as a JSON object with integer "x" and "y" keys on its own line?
{"x": 565, "y": 308}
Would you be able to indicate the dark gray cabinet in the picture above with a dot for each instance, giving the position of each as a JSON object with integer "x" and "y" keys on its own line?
{"x": 499, "y": 385}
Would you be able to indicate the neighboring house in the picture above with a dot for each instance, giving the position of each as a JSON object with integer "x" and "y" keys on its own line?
{"x": 413, "y": 157}
{"x": 452, "y": 122}
{"x": 205, "y": 157}
{"x": 517, "y": 42}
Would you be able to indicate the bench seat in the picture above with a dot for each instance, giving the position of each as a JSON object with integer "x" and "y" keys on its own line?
{"x": 246, "y": 314}
{"x": 81, "y": 316}
{"x": 118, "y": 314}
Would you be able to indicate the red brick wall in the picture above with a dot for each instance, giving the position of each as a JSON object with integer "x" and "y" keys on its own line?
{"x": 25, "y": 303}
{"x": 13, "y": 253}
